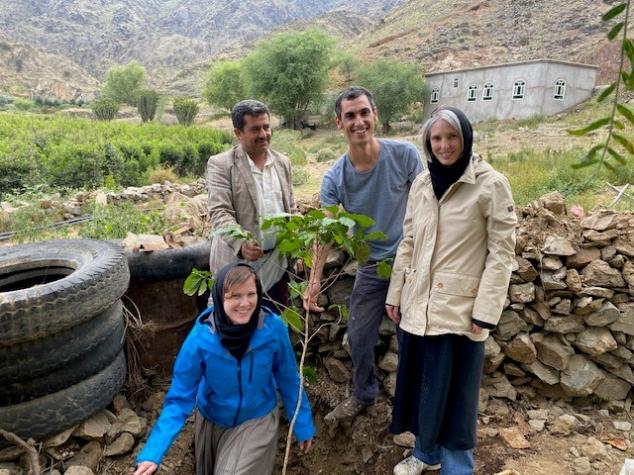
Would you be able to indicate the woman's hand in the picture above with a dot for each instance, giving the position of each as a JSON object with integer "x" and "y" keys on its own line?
{"x": 146, "y": 468}
{"x": 304, "y": 446}
{"x": 393, "y": 313}
{"x": 476, "y": 329}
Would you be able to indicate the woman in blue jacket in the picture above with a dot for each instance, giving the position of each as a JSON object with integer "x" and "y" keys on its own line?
{"x": 229, "y": 368}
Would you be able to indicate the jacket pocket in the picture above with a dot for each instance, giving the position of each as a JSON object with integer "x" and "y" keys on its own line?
{"x": 451, "y": 301}
{"x": 409, "y": 280}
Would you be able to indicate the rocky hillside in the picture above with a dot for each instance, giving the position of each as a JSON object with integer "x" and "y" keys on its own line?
{"x": 163, "y": 35}
{"x": 451, "y": 34}
{"x": 27, "y": 71}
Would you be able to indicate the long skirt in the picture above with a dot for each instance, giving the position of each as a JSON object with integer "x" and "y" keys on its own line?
{"x": 437, "y": 390}
{"x": 248, "y": 449}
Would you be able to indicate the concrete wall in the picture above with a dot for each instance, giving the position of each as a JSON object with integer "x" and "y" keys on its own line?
{"x": 539, "y": 78}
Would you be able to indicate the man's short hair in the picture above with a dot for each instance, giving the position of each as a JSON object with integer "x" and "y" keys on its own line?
{"x": 350, "y": 94}
{"x": 247, "y": 107}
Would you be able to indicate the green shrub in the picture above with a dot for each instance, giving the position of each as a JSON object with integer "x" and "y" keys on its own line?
{"x": 185, "y": 110}
{"x": 105, "y": 109}
{"x": 285, "y": 141}
{"x": 15, "y": 173}
{"x": 326, "y": 155}
{"x": 115, "y": 221}
{"x": 5, "y": 100}
{"x": 23, "y": 104}
{"x": 147, "y": 102}
{"x": 300, "y": 176}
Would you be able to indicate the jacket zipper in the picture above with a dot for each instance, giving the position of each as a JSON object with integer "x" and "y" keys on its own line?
{"x": 235, "y": 420}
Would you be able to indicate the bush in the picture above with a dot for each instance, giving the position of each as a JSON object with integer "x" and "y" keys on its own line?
{"x": 23, "y": 104}
{"x": 326, "y": 155}
{"x": 5, "y": 100}
{"x": 185, "y": 110}
{"x": 300, "y": 176}
{"x": 147, "y": 104}
{"x": 161, "y": 175}
{"x": 115, "y": 221}
{"x": 105, "y": 109}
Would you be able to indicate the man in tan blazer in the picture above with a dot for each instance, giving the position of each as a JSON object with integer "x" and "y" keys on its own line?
{"x": 245, "y": 185}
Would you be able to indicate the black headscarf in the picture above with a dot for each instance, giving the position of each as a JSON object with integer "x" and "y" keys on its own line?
{"x": 235, "y": 338}
{"x": 442, "y": 177}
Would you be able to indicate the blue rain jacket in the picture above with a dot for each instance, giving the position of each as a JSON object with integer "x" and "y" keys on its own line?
{"x": 226, "y": 391}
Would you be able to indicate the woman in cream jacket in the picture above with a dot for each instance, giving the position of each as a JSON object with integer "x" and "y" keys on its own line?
{"x": 448, "y": 286}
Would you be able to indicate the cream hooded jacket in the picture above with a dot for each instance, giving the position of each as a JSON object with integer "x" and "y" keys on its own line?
{"x": 454, "y": 262}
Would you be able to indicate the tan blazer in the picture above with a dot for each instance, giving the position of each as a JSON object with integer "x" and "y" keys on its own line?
{"x": 233, "y": 199}
{"x": 454, "y": 262}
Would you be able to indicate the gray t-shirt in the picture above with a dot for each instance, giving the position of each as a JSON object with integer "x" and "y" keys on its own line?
{"x": 380, "y": 193}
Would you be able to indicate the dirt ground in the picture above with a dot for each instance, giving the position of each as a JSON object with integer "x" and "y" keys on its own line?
{"x": 366, "y": 447}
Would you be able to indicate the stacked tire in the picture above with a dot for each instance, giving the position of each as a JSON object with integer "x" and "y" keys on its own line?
{"x": 61, "y": 333}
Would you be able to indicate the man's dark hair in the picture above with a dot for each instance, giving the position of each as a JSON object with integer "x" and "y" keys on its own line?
{"x": 350, "y": 94}
{"x": 247, "y": 107}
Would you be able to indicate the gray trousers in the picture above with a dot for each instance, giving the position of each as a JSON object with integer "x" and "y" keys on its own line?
{"x": 248, "y": 449}
{"x": 367, "y": 309}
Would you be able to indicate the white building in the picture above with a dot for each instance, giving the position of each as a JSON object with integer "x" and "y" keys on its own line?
{"x": 512, "y": 90}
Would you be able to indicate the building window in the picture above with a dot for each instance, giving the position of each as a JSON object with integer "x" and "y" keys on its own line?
{"x": 487, "y": 91}
{"x": 435, "y": 95}
{"x": 472, "y": 93}
{"x": 560, "y": 90}
{"x": 455, "y": 82}
{"x": 518, "y": 89}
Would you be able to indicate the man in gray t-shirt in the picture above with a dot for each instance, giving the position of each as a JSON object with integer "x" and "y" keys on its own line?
{"x": 373, "y": 178}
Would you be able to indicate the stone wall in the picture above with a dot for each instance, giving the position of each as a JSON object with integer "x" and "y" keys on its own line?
{"x": 567, "y": 329}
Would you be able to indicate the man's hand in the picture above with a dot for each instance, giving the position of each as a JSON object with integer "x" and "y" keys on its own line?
{"x": 145, "y": 468}
{"x": 251, "y": 251}
{"x": 306, "y": 445}
{"x": 393, "y": 313}
{"x": 311, "y": 294}
{"x": 476, "y": 329}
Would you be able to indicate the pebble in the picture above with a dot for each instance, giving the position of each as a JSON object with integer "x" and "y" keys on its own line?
{"x": 624, "y": 426}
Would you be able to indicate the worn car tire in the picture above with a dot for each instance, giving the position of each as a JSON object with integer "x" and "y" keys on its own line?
{"x": 31, "y": 359}
{"x": 76, "y": 370}
{"x": 56, "y": 412}
{"x": 50, "y": 286}
{"x": 168, "y": 264}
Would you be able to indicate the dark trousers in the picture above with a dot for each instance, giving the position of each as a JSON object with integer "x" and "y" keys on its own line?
{"x": 367, "y": 309}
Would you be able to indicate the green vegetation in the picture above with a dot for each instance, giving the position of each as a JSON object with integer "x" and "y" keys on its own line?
{"x": 147, "y": 103}
{"x": 105, "y": 109}
{"x": 395, "y": 87}
{"x": 63, "y": 152}
{"x": 287, "y": 142}
{"x": 186, "y": 110}
{"x": 290, "y": 71}
{"x": 225, "y": 85}
{"x": 115, "y": 221}
{"x": 533, "y": 173}
{"x": 123, "y": 83}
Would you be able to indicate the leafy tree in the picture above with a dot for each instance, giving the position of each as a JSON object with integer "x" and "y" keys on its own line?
{"x": 105, "y": 109}
{"x": 395, "y": 87}
{"x": 289, "y": 71}
{"x": 123, "y": 83}
{"x": 147, "y": 102}
{"x": 185, "y": 110}
{"x": 225, "y": 85}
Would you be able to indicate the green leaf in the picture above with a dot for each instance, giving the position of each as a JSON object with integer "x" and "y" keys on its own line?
{"x": 615, "y": 31}
{"x": 614, "y": 11}
{"x": 310, "y": 375}
{"x": 297, "y": 288}
{"x": 589, "y": 158}
{"x": 341, "y": 309}
{"x": 376, "y": 236}
{"x": 362, "y": 220}
{"x": 384, "y": 269}
{"x": 203, "y": 287}
{"x": 606, "y": 92}
{"x": 292, "y": 318}
{"x": 234, "y": 231}
{"x": 618, "y": 124}
{"x": 190, "y": 286}
{"x": 349, "y": 223}
{"x": 625, "y": 143}
{"x": 617, "y": 156}
{"x": 628, "y": 47}
{"x": 583, "y": 164}
{"x": 625, "y": 112}
{"x": 589, "y": 128}
{"x": 609, "y": 166}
